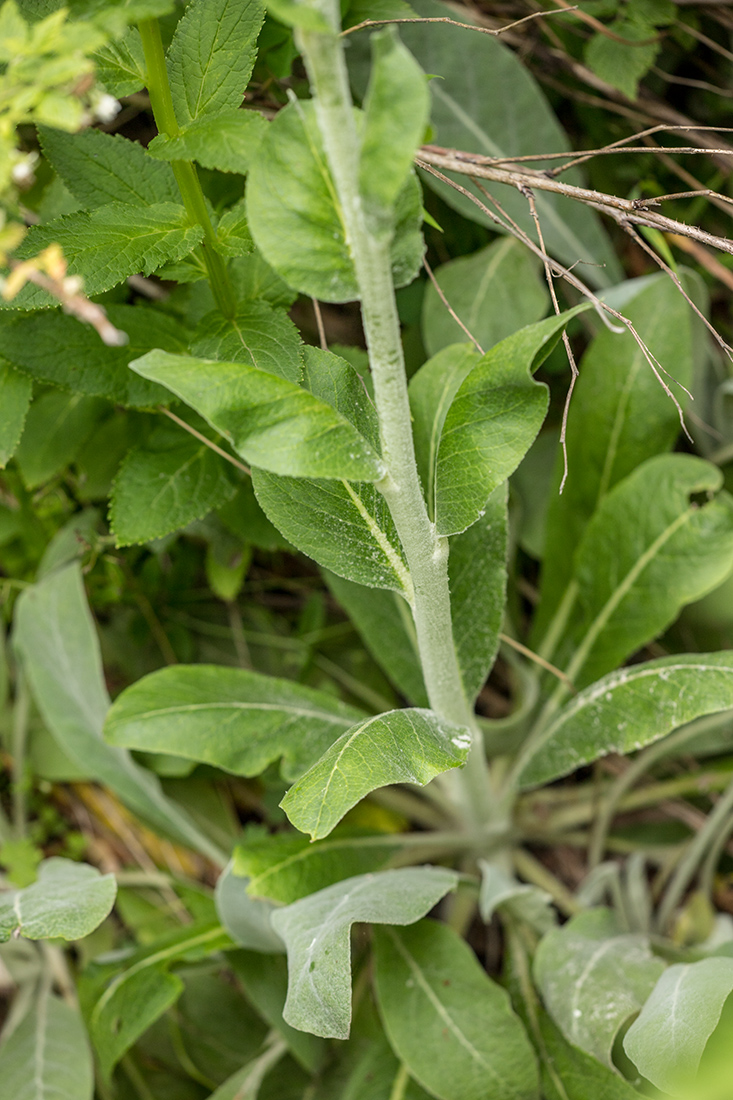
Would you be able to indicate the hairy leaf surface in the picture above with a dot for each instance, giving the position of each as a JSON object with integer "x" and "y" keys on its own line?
{"x": 67, "y": 902}
{"x": 48, "y": 1055}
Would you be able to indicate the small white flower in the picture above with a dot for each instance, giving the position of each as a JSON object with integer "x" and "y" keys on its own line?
{"x": 106, "y": 108}
{"x": 22, "y": 172}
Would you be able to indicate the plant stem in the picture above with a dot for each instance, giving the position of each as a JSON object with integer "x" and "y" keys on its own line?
{"x": 21, "y": 710}
{"x": 161, "y": 100}
{"x": 425, "y": 550}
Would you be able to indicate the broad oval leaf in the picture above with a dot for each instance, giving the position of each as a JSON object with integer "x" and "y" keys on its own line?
{"x": 68, "y": 901}
{"x": 246, "y": 918}
{"x": 631, "y": 708}
{"x": 492, "y": 421}
{"x": 237, "y": 720}
{"x": 452, "y": 1026}
{"x": 270, "y": 422}
{"x": 295, "y": 218}
{"x": 593, "y": 977}
{"x": 401, "y": 746}
{"x": 667, "y": 1039}
{"x": 317, "y": 930}
{"x": 226, "y": 141}
{"x": 48, "y": 1054}
{"x": 495, "y": 292}
{"x": 259, "y": 335}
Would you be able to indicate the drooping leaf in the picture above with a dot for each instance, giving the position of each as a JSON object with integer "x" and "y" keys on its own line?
{"x": 246, "y": 919}
{"x": 593, "y": 977}
{"x": 48, "y": 1055}
{"x": 401, "y": 746}
{"x": 55, "y": 637}
{"x": 287, "y": 866}
{"x": 495, "y": 292}
{"x": 166, "y": 484}
{"x": 488, "y": 103}
{"x": 647, "y": 552}
{"x": 295, "y": 218}
{"x": 67, "y": 902}
{"x": 619, "y": 417}
{"x": 272, "y": 423}
{"x": 211, "y": 56}
{"x": 259, "y": 335}
{"x": 235, "y": 719}
{"x": 317, "y": 933}
{"x": 226, "y": 141}
{"x": 15, "y": 398}
{"x": 53, "y": 347}
{"x": 492, "y": 421}
{"x": 396, "y": 112}
{"x": 667, "y": 1039}
{"x": 630, "y": 708}
{"x": 451, "y": 1025}
{"x": 110, "y": 243}
{"x": 101, "y": 168}
{"x": 55, "y": 428}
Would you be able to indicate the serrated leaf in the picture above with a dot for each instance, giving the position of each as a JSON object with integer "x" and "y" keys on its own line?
{"x": 647, "y": 552}
{"x": 246, "y": 919}
{"x": 287, "y": 866}
{"x": 110, "y": 243}
{"x": 48, "y": 1054}
{"x": 235, "y": 719}
{"x": 120, "y": 66}
{"x": 232, "y": 234}
{"x": 449, "y": 1023}
{"x": 495, "y": 292}
{"x": 53, "y": 347}
{"x": 15, "y": 398}
{"x": 396, "y": 110}
{"x": 55, "y": 637}
{"x": 272, "y": 423}
{"x": 317, "y": 933}
{"x": 227, "y": 141}
{"x": 400, "y": 746}
{"x": 619, "y": 417}
{"x": 667, "y": 1039}
{"x": 166, "y": 484}
{"x": 491, "y": 423}
{"x": 631, "y": 708}
{"x": 100, "y": 168}
{"x": 593, "y": 977}
{"x": 211, "y": 56}
{"x": 259, "y": 335}
{"x": 618, "y": 64}
{"x": 55, "y": 428}
{"x": 295, "y": 219}
{"x": 68, "y": 901}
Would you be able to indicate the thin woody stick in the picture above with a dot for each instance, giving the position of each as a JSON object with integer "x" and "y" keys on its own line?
{"x": 448, "y": 306}
{"x": 494, "y": 32}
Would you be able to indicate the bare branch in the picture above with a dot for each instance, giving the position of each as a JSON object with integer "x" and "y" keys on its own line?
{"x": 319, "y": 324}
{"x": 202, "y": 438}
{"x": 448, "y": 306}
{"x": 494, "y": 32}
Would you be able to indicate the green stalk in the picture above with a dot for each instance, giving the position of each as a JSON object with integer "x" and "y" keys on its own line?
{"x": 161, "y": 100}
{"x": 425, "y": 550}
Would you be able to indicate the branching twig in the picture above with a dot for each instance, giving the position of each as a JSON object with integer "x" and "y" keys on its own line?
{"x": 494, "y": 32}
{"x": 449, "y": 307}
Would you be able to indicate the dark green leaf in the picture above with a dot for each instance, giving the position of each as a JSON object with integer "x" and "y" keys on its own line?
{"x": 134, "y": 1001}
{"x": 232, "y": 234}
{"x": 67, "y": 902}
{"x": 570, "y": 1074}
{"x": 227, "y": 141}
{"x": 259, "y": 335}
{"x": 15, "y": 398}
{"x": 120, "y": 66}
{"x": 56, "y": 427}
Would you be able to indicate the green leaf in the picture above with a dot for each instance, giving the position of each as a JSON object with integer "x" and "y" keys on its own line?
{"x": 110, "y": 243}
{"x": 451, "y": 1025}
{"x": 211, "y": 56}
{"x": 132, "y": 1003}
{"x": 396, "y": 111}
{"x": 232, "y": 235}
{"x": 288, "y": 866}
{"x": 631, "y": 708}
{"x": 571, "y": 1074}
{"x": 55, "y": 637}
{"x": 48, "y": 1055}
{"x": 68, "y": 901}
{"x": 272, "y": 423}
{"x": 385, "y": 623}
{"x": 56, "y": 427}
{"x": 53, "y": 347}
{"x": 306, "y": 14}
{"x": 15, "y": 398}
{"x": 237, "y": 720}
{"x": 619, "y": 417}
{"x": 620, "y": 65}
{"x": 166, "y": 484}
{"x": 667, "y": 1039}
{"x": 491, "y": 423}
{"x": 120, "y": 66}
{"x": 522, "y": 902}
{"x": 246, "y": 919}
{"x": 593, "y": 977}
{"x": 647, "y": 552}
{"x": 494, "y": 292}
{"x": 295, "y": 218}
{"x": 401, "y": 746}
{"x": 101, "y": 168}
{"x": 487, "y": 102}
{"x": 317, "y": 933}
{"x": 259, "y": 335}
{"x": 227, "y": 141}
